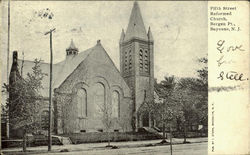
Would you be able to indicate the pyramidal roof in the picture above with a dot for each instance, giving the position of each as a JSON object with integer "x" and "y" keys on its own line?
{"x": 72, "y": 45}
{"x": 136, "y": 26}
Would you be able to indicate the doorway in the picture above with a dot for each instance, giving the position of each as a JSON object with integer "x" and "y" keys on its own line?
{"x": 145, "y": 119}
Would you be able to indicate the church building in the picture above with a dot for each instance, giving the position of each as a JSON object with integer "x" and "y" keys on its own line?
{"x": 86, "y": 83}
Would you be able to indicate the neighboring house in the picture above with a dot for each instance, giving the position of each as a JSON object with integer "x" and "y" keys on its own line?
{"x": 85, "y": 81}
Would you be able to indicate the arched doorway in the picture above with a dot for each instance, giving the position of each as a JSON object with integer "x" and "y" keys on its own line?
{"x": 145, "y": 119}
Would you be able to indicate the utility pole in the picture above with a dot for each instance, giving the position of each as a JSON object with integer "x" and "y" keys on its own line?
{"x": 50, "y": 91}
{"x": 171, "y": 149}
{"x": 8, "y": 46}
{"x": 8, "y": 59}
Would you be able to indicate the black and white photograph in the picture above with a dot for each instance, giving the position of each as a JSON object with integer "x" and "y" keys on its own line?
{"x": 104, "y": 77}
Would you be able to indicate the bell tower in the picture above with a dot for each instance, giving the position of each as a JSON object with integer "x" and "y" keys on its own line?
{"x": 71, "y": 50}
{"x": 137, "y": 63}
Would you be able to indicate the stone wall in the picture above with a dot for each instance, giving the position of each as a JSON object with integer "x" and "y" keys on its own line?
{"x": 96, "y": 68}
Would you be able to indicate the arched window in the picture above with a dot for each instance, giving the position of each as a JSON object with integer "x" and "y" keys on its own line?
{"x": 141, "y": 59}
{"x": 115, "y": 104}
{"x": 130, "y": 62}
{"x": 146, "y": 61}
{"x": 99, "y": 98}
{"x": 82, "y": 102}
{"x": 45, "y": 119}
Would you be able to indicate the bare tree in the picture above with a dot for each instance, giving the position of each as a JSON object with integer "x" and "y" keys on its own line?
{"x": 123, "y": 122}
{"x": 106, "y": 117}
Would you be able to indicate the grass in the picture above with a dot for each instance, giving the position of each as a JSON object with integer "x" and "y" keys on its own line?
{"x": 79, "y": 138}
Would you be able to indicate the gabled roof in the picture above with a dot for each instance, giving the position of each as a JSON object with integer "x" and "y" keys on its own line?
{"x": 136, "y": 28}
{"x": 69, "y": 65}
{"x": 60, "y": 72}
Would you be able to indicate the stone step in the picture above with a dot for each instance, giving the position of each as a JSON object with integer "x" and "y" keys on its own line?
{"x": 64, "y": 140}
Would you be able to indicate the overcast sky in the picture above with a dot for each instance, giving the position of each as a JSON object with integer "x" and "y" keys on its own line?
{"x": 179, "y": 29}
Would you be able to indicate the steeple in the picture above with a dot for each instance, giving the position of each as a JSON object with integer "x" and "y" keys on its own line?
{"x": 71, "y": 50}
{"x": 137, "y": 63}
{"x": 136, "y": 28}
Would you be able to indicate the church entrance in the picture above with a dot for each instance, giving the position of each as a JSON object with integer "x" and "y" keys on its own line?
{"x": 145, "y": 120}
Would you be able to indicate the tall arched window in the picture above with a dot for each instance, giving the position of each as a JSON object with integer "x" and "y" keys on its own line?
{"x": 115, "y": 104}
{"x": 82, "y": 102}
{"x": 45, "y": 119}
{"x": 99, "y": 98}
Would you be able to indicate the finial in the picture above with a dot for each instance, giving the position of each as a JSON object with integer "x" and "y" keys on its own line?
{"x": 99, "y": 41}
{"x": 150, "y": 36}
{"x": 122, "y": 36}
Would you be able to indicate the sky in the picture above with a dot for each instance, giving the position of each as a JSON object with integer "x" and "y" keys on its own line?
{"x": 179, "y": 30}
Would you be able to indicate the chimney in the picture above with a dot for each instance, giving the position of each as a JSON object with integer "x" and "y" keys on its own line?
{"x": 14, "y": 69}
{"x": 15, "y": 57}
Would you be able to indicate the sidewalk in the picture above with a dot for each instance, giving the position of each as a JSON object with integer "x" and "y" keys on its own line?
{"x": 98, "y": 146}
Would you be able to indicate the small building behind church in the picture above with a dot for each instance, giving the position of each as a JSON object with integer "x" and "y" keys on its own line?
{"x": 86, "y": 81}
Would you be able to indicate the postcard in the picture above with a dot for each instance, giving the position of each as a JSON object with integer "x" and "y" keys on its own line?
{"x": 125, "y": 77}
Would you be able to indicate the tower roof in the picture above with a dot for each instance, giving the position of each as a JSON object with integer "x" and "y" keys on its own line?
{"x": 72, "y": 45}
{"x": 136, "y": 26}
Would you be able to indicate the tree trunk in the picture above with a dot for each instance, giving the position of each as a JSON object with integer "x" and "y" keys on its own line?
{"x": 171, "y": 150}
{"x": 185, "y": 139}
{"x": 24, "y": 140}
{"x": 108, "y": 138}
{"x": 178, "y": 125}
{"x": 164, "y": 133}
{"x": 133, "y": 123}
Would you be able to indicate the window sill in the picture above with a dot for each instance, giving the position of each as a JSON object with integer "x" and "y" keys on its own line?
{"x": 82, "y": 117}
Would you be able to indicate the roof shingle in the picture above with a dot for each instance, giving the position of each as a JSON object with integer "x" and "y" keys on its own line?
{"x": 60, "y": 70}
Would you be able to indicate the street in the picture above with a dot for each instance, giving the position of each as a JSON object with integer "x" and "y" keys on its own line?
{"x": 181, "y": 149}
{"x": 197, "y": 146}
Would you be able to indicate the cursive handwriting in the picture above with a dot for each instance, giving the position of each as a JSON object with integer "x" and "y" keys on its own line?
{"x": 222, "y": 61}
{"x": 223, "y": 88}
{"x": 231, "y": 75}
{"x": 222, "y": 48}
